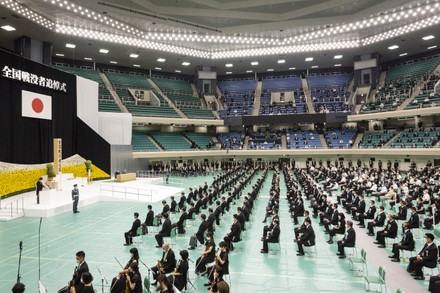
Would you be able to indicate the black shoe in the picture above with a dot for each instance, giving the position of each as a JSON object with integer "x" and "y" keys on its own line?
{"x": 370, "y": 234}
{"x": 207, "y": 284}
{"x": 326, "y": 232}
{"x": 395, "y": 260}
{"x": 381, "y": 246}
{"x": 419, "y": 278}
{"x": 263, "y": 251}
{"x": 330, "y": 242}
{"x": 126, "y": 244}
{"x": 361, "y": 226}
{"x": 338, "y": 253}
{"x": 300, "y": 254}
{"x": 376, "y": 242}
{"x": 158, "y": 246}
{"x": 391, "y": 256}
{"x": 191, "y": 248}
{"x": 342, "y": 256}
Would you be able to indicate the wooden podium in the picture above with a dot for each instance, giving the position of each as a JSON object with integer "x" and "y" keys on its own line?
{"x": 125, "y": 177}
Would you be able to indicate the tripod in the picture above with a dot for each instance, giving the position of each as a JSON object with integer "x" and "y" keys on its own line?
{"x": 19, "y": 262}
{"x": 147, "y": 281}
{"x": 102, "y": 280}
{"x": 188, "y": 280}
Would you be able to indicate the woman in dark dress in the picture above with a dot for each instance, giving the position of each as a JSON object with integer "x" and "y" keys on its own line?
{"x": 222, "y": 260}
{"x": 208, "y": 254}
{"x": 134, "y": 280}
{"x": 163, "y": 285}
{"x": 180, "y": 276}
{"x": 119, "y": 283}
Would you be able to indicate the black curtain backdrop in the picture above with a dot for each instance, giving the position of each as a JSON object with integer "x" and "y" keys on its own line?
{"x": 26, "y": 140}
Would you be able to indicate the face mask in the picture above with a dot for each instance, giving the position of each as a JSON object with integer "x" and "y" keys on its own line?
{"x": 78, "y": 261}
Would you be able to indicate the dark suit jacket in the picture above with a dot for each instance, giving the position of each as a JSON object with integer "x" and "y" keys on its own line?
{"x": 392, "y": 229}
{"x": 170, "y": 262}
{"x": 165, "y": 209}
{"x": 39, "y": 186}
{"x": 414, "y": 221}
{"x": 202, "y": 228}
{"x": 149, "y": 218}
{"x": 408, "y": 240}
{"x": 274, "y": 235}
{"x": 83, "y": 268}
{"x": 402, "y": 213}
{"x": 370, "y": 212}
{"x": 235, "y": 231}
{"x": 350, "y": 237}
{"x": 380, "y": 219}
{"x": 429, "y": 255}
{"x": 134, "y": 227}
{"x": 173, "y": 206}
{"x": 210, "y": 221}
{"x": 166, "y": 228}
{"x": 180, "y": 222}
{"x": 309, "y": 235}
{"x": 361, "y": 207}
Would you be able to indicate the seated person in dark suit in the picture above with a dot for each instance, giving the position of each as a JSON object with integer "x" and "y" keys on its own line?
{"x": 407, "y": 243}
{"x": 401, "y": 215}
{"x": 179, "y": 224}
{"x": 133, "y": 230}
{"x": 390, "y": 231}
{"x": 434, "y": 284}
{"x": 369, "y": 214}
{"x": 414, "y": 220}
{"x": 349, "y": 239}
{"x": 234, "y": 235}
{"x": 167, "y": 263}
{"x": 337, "y": 229}
{"x": 273, "y": 236}
{"x": 307, "y": 238}
{"x": 427, "y": 257}
{"x": 378, "y": 221}
{"x": 148, "y": 220}
{"x": 165, "y": 231}
{"x": 199, "y": 236}
{"x": 302, "y": 228}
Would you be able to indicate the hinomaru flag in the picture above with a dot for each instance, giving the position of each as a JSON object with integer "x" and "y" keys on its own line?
{"x": 36, "y": 105}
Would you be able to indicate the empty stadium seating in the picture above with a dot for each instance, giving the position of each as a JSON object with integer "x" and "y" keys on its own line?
{"x": 142, "y": 143}
{"x": 171, "y": 141}
{"x": 412, "y": 70}
{"x": 264, "y": 141}
{"x": 342, "y": 139}
{"x": 303, "y": 139}
{"x": 201, "y": 140}
{"x": 108, "y": 106}
{"x": 376, "y": 139}
{"x": 282, "y": 84}
{"x": 198, "y": 113}
{"x": 152, "y": 111}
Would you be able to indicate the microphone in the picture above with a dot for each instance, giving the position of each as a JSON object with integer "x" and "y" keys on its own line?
{"x": 21, "y": 245}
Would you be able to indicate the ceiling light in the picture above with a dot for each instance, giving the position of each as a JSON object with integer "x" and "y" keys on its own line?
{"x": 308, "y": 59}
{"x": 315, "y": 66}
{"x": 134, "y": 55}
{"x": 270, "y": 69}
{"x": 113, "y": 62}
{"x": 88, "y": 58}
{"x": 136, "y": 65}
{"x": 393, "y": 47}
{"x": 72, "y": 46}
{"x": 430, "y": 37}
{"x": 292, "y": 68}
{"x": 59, "y": 55}
{"x": 281, "y": 61}
{"x": 403, "y": 54}
{"x": 229, "y": 65}
{"x": 157, "y": 68}
{"x": 177, "y": 71}
{"x": 432, "y": 47}
{"x": 248, "y": 71}
{"x": 338, "y": 65}
{"x": 161, "y": 60}
{"x": 186, "y": 63}
{"x": 254, "y": 63}
{"x": 8, "y": 28}
{"x": 103, "y": 51}
{"x": 229, "y": 72}
{"x": 337, "y": 57}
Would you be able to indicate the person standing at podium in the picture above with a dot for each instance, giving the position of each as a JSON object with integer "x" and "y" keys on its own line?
{"x": 75, "y": 198}
{"x": 39, "y": 187}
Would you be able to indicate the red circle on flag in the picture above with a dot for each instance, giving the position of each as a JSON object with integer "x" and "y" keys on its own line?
{"x": 37, "y": 105}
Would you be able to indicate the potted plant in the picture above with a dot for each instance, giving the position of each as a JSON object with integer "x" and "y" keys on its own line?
{"x": 88, "y": 164}
{"x": 50, "y": 171}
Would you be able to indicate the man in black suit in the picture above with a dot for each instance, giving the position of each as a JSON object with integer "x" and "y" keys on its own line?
{"x": 80, "y": 269}
{"x": 298, "y": 210}
{"x": 349, "y": 239}
{"x": 268, "y": 228}
{"x": 173, "y": 207}
{"x": 414, "y": 220}
{"x": 272, "y": 237}
{"x": 182, "y": 200}
{"x": 210, "y": 221}
{"x": 191, "y": 211}
{"x": 427, "y": 257}
{"x": 198, "y": 236}
{"x": 369, "y": 214}
{"x": 407, "y": 243}
{"x": 234, "y": 235}
{"x": 148, "y": 220}
{"x": 182, "y": 218}
{"x": 360, "y": 208}
{"x": 133, "y": 231}
{"x": 307, "y": 238}
{"x": 217, "y": 212}
{"x": 39, "y": 187}
{"x": 165, "y": 231}
{"x": 390, "y": 231}
{"x": 167, "y": 263}
{"x": 190, "y": 197}
{"x": 333, "y": 220}
{"x": 302, "y": 228}
{"x": 379, "y": 221}
{"x": 75, "y": 198}
{"x": 401, "y": 215}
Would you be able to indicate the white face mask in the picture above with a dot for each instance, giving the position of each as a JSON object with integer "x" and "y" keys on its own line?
{"x": 78, "y": 261}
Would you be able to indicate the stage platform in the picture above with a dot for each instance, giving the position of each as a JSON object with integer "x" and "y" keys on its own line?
{"x": 55, "y": 202}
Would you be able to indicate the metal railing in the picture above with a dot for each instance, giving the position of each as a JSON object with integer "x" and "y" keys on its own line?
{"x": 122, "y": 190}
{"x": 14, "y": 206}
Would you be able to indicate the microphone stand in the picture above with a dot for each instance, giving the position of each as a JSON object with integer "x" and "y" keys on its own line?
{"x": 39, "y": 251}
{"x": 148, "y": 268}
{"x": 19, "y": 262}
{"x": 102, "y": 280}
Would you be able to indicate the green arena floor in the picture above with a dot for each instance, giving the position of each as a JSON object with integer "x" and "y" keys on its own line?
{"x": 99, "y": 229}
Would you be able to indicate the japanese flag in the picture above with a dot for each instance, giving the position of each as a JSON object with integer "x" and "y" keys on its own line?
{"x": 36, "y": 105}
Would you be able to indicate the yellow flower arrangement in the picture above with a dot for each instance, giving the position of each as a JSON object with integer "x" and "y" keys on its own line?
{"x": 24, "y": 180}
